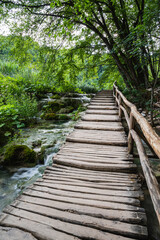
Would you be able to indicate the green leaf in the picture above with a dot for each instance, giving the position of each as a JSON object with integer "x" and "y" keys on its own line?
{"x": 7, "y": 134}
{"x": 20, "y": 125}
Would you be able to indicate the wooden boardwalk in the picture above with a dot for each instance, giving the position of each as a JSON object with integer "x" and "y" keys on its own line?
{"x": 91, "y": 191}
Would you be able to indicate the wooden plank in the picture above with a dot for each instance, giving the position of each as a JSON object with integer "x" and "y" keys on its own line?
{"x": 100, "y": 126}
{"x": 132, "y": 194}
{"x": 96, "y": 166}
{"x": 79, "y": 231}
{"x": 102, "y": 107}
{"x": 109, "y": 182}
{"x": 94, "y": 173}
{"x": 92, "y": 141}
{"x": 91, "y": 177}
{"x": 102, "y": 112}
{"x": 93, "y": 136}
{"x": 94, "y": 154}
{"x": 102, "y": 104}
{"x": 93, "y": 158}
{"x": 38, "y": 230}
{"x": 83, "y": 184}
{"x": 119, "y": 228}
{"x": 85, "y": 202}
{"x": 8, "y": 233}
{"x": 100, "y": 118}
{"x": 39, "y": 198}
{"x": 130, "y": 201}
{"x": 95, "y": 147}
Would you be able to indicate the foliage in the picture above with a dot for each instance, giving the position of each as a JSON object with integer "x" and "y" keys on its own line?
{"x": 127, "y": 30}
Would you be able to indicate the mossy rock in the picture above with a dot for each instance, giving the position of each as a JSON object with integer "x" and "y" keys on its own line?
{"x": 49, "y": 116}
{"x": 56, "y": 96}
{"x": 55, "y": 105}
{"x": 68, "y": 109}
{"x": 75, "y": 103}
{"x": 63, "y": 117}
{"x": 19, "y": 155}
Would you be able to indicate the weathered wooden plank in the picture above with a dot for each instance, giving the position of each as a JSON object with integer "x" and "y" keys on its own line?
{"x": 96, "y": 147}
{"x": 84, "y": 184}
{"x": 79, "y": 231}
{"x": 100, "y": 126}
{"x": 38, "y": 198}
{"x": 93, "y": 173}
{"x": 100, "y": 118}
{"x": 95, "y": 153}
{"x": 130, "y": 201}
{"x": 92, "y": 158}
{"x": 86, "y": 159}
{"x": 132, "y": 194}
{"x": 120, "y": 228}
{"x": 96, "y": 166}
{"x": 102, "y": 104}
{"x": 102, "y": 107}
{"x": 91, "y": 178}
{"x": 38, "y": 230}
{"x": 102, "y": 112}
{"x": 8, "y": 233}
{"x": 109, "y": 182}
{"x": 88, "y": 202}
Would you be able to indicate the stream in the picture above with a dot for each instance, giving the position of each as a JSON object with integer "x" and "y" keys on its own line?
{"x": 13, "y": 181}
{"x": 46, "y": 134}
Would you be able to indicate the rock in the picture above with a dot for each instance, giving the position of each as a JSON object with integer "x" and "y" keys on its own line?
{"x": 8, "y": 233}
{"x": 40, "y": 154}
{"x": 55, "y": 105}
{"x": 56, "y": 96}
{"x": 63, "y": 117}
{"x": 68, "y": 109}
{"x": 75, "y": 103}
{"x": 19, "y": 155}
{"x": 36, "y": 143}
{"x": 49, "y": 116}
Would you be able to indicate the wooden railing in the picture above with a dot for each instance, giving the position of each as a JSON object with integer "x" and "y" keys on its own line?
{"x": 133, "y": 117}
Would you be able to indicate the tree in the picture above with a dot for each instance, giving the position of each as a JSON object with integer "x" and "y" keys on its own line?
{"x": 127, "y": 30}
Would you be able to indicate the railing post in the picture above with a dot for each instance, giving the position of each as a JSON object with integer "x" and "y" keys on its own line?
{"x": 113, "y": 91}
{"x": 116, "y": 97}
{"x": 120, "y": 110}
{"x": 130, "y": 139}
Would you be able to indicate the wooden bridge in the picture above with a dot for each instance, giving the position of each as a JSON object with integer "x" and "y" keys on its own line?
{"x": 92, "y": 190}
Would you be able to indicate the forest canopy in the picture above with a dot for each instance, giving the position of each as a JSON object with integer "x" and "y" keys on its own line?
{"x": 125, "y": 33}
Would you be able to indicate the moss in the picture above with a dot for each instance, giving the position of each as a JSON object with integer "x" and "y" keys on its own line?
{"x": 56, "y": 105}
{"x": 56, "y": 96}
{"x": 19, "y": 155}
{"x": 75, "y": 103}
{"x": 68, "y": 109}
{"x": 63, "y": 117}
{"x": 49, "y": 116}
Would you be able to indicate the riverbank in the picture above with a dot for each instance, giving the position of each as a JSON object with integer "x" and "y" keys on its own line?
{"x": 45, "y": 138}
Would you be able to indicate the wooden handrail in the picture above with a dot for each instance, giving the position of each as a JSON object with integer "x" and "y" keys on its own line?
{"x": 151, "y": 137}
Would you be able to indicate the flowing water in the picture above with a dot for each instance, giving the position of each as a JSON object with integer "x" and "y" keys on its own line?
{"x": 46, "y": 137}
{"x": 14, "y": 181}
